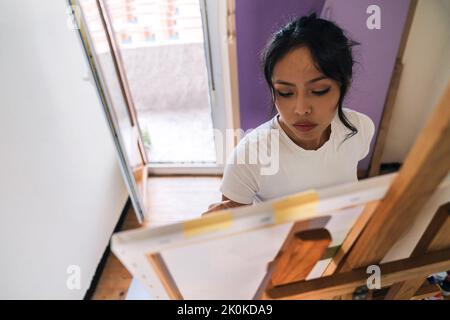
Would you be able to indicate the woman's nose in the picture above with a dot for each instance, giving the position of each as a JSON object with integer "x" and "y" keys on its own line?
{"x": 302, "y": 106}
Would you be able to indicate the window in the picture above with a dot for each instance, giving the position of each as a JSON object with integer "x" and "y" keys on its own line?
{"x": 162, "y": 48}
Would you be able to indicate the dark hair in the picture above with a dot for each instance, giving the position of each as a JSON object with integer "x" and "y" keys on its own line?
{"x": 331, "y": 51}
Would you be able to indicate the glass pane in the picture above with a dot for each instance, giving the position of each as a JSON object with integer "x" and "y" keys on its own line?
{"x": 117, "y": 111}
{"x": 162, "y": 48}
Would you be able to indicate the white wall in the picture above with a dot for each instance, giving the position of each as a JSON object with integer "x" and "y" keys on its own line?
{"x": 425, "y": 75}
{"x": 61, "y": 190}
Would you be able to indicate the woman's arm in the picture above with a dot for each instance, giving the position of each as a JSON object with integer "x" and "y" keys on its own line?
{"x": 224, "y": 204}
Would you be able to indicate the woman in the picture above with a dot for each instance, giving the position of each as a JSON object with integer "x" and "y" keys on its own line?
{"x": 308, "y": 68}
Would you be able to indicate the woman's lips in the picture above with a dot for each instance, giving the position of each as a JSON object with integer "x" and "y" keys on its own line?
{"x": 305, "y": 127}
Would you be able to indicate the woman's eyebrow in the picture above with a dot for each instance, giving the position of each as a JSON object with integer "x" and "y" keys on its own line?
{"x": 316, "y": 79}
{"x": 285, "y": 83}
{"x": 309, "y": 81}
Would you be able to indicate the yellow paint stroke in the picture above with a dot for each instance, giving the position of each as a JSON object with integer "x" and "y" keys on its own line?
{"x": 299, "y": 206}
{"x": 212, "y": 222}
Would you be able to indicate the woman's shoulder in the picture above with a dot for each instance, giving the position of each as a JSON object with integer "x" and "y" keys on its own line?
{"x": 359, "y": 119}
{"x": 365, "y": 126}
{"x": 253, "y": 136}
{"x": 252, "y": 143}
{"x": 362, "y": 122}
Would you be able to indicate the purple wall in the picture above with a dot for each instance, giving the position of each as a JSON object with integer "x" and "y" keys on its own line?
{"x": 257, "y": 19}
{"x": 376, "y": 54}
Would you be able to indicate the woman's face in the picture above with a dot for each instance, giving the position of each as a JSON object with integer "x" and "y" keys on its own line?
{"x": 305, "y": 99}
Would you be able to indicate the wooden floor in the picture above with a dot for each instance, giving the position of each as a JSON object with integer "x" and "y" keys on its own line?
{"x": 170, "y": 199}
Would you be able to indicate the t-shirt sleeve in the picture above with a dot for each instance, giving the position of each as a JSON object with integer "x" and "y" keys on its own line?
{"x": 240, "y": 182}
{"x": 367, "y": 129}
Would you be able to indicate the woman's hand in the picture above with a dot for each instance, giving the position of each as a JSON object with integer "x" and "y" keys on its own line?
{"x": 224, "y": 204}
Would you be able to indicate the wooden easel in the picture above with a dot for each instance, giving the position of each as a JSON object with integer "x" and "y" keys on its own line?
{"x": 384, "y": 221}
{"x": 377, "y": 230}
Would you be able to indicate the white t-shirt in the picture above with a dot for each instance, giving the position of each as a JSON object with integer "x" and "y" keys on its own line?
{"x": 246, "y": 180}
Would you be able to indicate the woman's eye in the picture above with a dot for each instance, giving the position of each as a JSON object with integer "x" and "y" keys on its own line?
{"x": 321, "y": 92}
{"x": 284, "y": 94}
